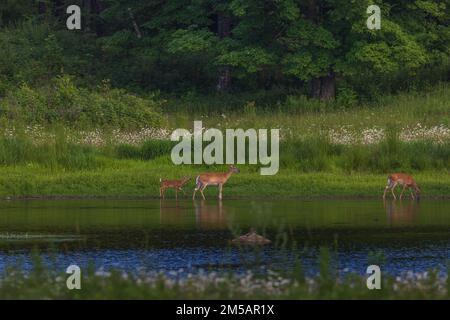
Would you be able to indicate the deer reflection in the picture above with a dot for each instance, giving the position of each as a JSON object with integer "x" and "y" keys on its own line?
{"x": 400, "y": 212}
{"x": 171, "y": 212}
{"x": 210, "y": 216}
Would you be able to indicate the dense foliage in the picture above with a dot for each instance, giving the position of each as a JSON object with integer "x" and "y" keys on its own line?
{"x": 317, "y": 47}
{"x": 63, "y": 102}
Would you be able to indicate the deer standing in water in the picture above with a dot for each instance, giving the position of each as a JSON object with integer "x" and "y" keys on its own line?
{"x": 175, "y": 184}
{"x": 214, "y": 179}
{"x": 404, "y": 180}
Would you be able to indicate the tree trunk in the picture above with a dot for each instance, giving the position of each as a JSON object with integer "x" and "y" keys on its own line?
{"x": 135, "y": 24}
{"x": 312, "y": 10}
{"x": 316, "y": 85}
{"x": 328, "y": 90}
{"x": 224, "y": 31}
{"x": 97, "y": 8}
{"x": 42, "y": 7}
{"x": 323, "y": 88}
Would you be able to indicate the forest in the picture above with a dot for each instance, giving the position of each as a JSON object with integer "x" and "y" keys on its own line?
{"x": 262, "y": 51}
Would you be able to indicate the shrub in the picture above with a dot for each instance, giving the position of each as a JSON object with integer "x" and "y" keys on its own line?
{"x": 64, "y": 102}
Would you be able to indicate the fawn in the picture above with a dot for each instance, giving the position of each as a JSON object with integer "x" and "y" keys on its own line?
{"x": 404, "y": 180}
{"x": 176, "y": 184}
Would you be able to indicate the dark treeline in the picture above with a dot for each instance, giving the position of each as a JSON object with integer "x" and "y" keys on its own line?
{"x": 320, "y": 48}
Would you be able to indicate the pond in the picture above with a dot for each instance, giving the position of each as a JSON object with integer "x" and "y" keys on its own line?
{"x": 169, "y": 235}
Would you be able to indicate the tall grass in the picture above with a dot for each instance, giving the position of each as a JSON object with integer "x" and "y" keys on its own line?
{"x": 21, "y": 150}
{"x": 312, "y": 154}
{"x": 319, "y": 155}
{"x": 310, "y": 117}
{"x": 148, "y": 150}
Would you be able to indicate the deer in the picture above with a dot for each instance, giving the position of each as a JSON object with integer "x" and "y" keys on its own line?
{"x": 214, "y": 179}
{"x": 175, "y": 184}
{"x": 404, "y": 180}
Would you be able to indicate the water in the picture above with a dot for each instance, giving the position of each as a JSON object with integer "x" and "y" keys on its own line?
{"x": 153, "y": 235}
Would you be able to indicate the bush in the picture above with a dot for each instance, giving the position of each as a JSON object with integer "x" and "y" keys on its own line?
{"x": 64, "y": 102}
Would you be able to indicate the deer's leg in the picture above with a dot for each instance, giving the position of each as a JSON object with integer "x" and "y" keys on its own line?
{"x": 403, "y": 190}
{"x": 385, "y": 189}
{"x": 163, "y": 190}
{"x": 392, "y": 190}
{"x": 412, "y": 193}
{"x": 201, "y": 190}
{"x": 198, "y": 185}
{"x": 176, "y": 193}
{"x": 220, "y": 191}
{"x": 388, "y": 185}
{"x": 182, "y": 191}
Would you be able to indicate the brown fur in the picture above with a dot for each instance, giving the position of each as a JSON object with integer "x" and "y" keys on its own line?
{"x": 175, "y": 184}
{"x": 404, "y": 180}
{"x": 216, "y": 178}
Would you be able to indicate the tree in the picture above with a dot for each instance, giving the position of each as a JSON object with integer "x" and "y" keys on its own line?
{"x": 317, "y": 46}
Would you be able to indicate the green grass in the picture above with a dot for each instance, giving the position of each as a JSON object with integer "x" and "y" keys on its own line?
{"x": 308, "y": 168}
{"x": 140, "y": 178}
{"x": 308, "y": 117}
{"x": 311, "y": 164}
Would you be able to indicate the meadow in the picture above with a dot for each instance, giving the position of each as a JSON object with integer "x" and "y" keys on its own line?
{"x": 338, "y": 153}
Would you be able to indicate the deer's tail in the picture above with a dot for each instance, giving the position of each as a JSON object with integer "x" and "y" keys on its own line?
{"x": 198, "y": 183}
{"x": 389, "y": 180}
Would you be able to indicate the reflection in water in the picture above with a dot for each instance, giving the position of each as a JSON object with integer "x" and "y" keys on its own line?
{"x": 207, "y": 215}
{"x": 210, "y": 216}
{"x": 170, "y": 235}
{"x": 399, "y": 213}
{"x": 171, "y": 213}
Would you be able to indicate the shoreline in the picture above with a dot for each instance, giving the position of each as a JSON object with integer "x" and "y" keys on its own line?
{"x": 139, "y": 180}
{"x": 210, "y": 199}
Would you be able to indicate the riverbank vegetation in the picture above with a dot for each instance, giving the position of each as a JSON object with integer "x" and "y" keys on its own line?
{"x": 89, "y": 112}
{"x": 42, "y": 282}
{"x": 321, "y": 154}
{"x": 310, "y": 168}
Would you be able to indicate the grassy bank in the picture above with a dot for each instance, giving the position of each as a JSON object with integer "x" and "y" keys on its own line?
{"x": 43, "y": 283}
{"x": 141, "y": 179}
{"x": 308, "y": 168}
{"x": 323, "y": 152}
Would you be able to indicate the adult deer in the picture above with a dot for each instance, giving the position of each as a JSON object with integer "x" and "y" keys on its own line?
{"x": 214, "y": 179}
{"x": 175, "y": 184}
{"x": 404, "y": 180}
